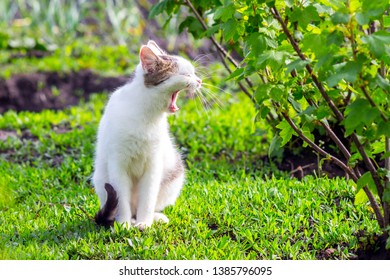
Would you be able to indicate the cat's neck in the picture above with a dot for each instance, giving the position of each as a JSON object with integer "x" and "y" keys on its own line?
{"x": 146, "y": 102}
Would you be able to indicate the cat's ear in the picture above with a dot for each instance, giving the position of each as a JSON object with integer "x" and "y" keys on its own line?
{"x": 156, "y": 49}
{"x": 149, "y": 59}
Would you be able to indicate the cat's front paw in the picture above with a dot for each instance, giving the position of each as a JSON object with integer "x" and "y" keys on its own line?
{"x": 124, "y": 221}
{"x": 143, "y": 226}
{"x": 160, "y": 218}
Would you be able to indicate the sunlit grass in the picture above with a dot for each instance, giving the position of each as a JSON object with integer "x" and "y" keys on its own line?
{"x": 233, "y": 206}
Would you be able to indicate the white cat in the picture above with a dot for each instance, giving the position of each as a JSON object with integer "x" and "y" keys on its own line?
{"x": 137, "y": 170}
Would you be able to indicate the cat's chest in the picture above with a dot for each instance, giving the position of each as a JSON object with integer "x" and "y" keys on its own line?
{"x": 140, "y": 142}
{"x": 138, "y": 154}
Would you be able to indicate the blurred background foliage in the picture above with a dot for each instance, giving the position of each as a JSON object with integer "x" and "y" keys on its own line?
{"x": 104, "y": 35}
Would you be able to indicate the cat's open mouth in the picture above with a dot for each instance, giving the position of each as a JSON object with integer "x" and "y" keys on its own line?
{"x": 172, "y": 105}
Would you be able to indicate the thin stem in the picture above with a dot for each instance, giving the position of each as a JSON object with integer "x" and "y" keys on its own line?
{"x": 205, "y": 27}
{"x": 331, "y": 134}
{"x": 224, "y": 54}
{"x": 318, "y": 84}
{"x": 345, "y": 167}
{"x": 242, "y": 87}
{"x": 329, "y": 101}
{"x": 386, "y": 206}
{"x": 378, "y": 214}
{"x": 337, "y": 140}
{"x": 318, "y": 149}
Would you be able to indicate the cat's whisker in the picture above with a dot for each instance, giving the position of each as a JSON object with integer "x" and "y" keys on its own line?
{"x": 215, "y": 87}
{"x": 200, "y": 97}
{"x": 203, "y": 72}
{"x": 194, "y": 95}
{"x": 199, "y": 57}
{"x": 212, "y": 98}
{"x": 209, "y": 88}
{"x": 209, "y": 100}
{"x": 202, "y": 100}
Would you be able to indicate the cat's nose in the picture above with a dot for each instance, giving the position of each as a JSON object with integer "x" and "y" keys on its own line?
{"x": 199, "y": 82}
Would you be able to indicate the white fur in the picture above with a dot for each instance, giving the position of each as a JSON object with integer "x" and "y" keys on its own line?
{"x": 134, "y": 148}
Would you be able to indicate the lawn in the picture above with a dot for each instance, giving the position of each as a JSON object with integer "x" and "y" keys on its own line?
{"x": 236, "y": 203}
{"x": 233, "y": 205}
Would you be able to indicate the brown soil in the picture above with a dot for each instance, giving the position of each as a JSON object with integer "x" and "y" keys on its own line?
{"x": 51, "y": 90}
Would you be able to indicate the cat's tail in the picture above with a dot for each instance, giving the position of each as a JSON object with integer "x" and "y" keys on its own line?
{"x": 106, "y": 215}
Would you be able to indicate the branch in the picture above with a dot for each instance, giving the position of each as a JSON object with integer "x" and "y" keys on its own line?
{"x": 329, "y": 101}
{"x": 318, "y": 84}
{"x": 345, "y": 167}
{"x": 223, "y": 53}
{"x": 205, "y": 27}
{"x": 330, "y": 132}
{"x": 386, "y": 206}
{"x": 318, "y": 149}
{"x": 379, "y": 217}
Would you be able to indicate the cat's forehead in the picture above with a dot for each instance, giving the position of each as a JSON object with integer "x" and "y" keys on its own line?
{"x": 184, "y": 65}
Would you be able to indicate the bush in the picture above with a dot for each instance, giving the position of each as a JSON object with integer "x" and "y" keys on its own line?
{"x": 311, "y": 68}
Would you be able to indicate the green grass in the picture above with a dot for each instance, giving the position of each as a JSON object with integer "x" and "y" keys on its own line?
{"x": 104, "y": 59}
{"x": 233, "y": 206}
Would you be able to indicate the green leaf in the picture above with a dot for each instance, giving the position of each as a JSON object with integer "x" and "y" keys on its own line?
{"x": 383, "y": 128}
{"x": 380, "y": 36}
{"x": 212, "y": 30}
{"x": 306, "y": 131}
{"x": 193, "y": 25}
{"x": 310, "y": 14}
{"x": 286, "y": 132}
{"x": 232, "y": 29}
{"x": 304, "y": 16}
{"x": 225, "y": 13}
{"x": 322, "y": 112}
{"x": 355, "y": 119}
{"x": 275, "y": 145}
{"x": 362, "y": 18}
{"x": 378, "y": 44}
{"x": 296, "y": 105}
{"x": 273, "y": 59}
{"x": 278, "y": 93}
{"x": 4, "y": 38}
{"x": 298, "y": 65}
{"x": 160, "y": 7}
{"x": 316, "y": 43}
{"x": 256, "y": 43}
{"x": 371, "y": 10}
{"x": 386, "y": 21}
{"x": 340, "y": 17}
{"x": 385, "y": 155}
{"x": 236, "y": 74}
{"x": 354, "y": 159}
{"x": 335, "y": 38}
{"x": 262, "y": 93}
{"x": 366, "y": 180}
{"x": 264, "y": 110}
{"x": 345, "y": 71}
{"x": 273, "y": 44}
{"x": 386, "y": 195}
{"x": 382, "y": 82}
{"x": 360, "y": 198}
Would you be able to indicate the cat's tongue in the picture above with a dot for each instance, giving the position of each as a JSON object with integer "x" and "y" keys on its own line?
{"x": 172, "y": 105}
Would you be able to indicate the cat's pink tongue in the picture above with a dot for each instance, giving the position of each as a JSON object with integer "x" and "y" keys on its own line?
{"x": 172, "y": 106}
